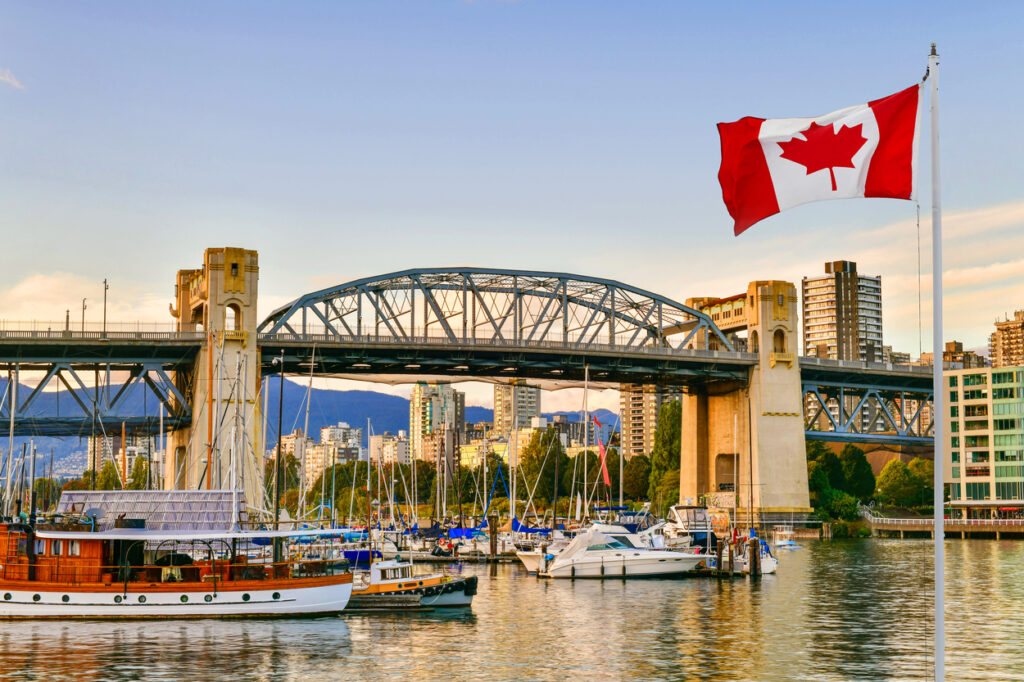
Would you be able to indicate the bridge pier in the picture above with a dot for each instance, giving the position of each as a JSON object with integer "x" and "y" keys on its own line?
{"x": 751, "y": 438}
{"x": 223, "y": 447}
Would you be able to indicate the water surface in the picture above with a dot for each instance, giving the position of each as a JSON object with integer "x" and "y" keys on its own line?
{"x": 857, "y": 609}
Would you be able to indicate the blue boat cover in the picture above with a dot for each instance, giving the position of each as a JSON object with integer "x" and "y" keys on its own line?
{"x": 520, "y": 528}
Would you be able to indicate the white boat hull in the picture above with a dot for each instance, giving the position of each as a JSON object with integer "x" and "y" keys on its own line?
{"x": 649, "y": 564}
{"x": 138, "y": 603}
{"x": 530, "y": 560}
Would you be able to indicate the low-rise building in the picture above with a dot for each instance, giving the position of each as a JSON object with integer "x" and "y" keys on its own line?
{"x": 984, "y": 467}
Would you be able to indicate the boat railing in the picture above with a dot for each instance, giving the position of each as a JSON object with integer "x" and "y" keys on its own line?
{"x": 76, "y": 573}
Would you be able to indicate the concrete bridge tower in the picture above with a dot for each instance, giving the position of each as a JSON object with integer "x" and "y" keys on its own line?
{"x": 749, "y": 440}
{"x": 223, "y": 384}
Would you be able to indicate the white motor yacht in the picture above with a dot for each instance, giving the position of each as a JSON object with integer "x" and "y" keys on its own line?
{"x": 598, "y": 554}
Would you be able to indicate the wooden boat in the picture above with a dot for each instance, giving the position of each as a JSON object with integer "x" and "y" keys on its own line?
{"x": 138, "y": 573}
{"x": 395, "y": 577}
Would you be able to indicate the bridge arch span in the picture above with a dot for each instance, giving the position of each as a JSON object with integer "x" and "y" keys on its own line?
{"x": 513, "y": 307}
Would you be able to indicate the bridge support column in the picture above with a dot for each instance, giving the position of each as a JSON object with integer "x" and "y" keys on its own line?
{"x": 693, "y": 470}
{"x": 750, "y": 439}
{"x": 223, "y": 446}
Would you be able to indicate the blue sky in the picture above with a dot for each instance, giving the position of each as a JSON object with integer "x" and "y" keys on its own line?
{"x": 349, "y": 139}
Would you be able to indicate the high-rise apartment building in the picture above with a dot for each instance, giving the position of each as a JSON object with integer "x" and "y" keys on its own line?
{"x": 842, "y": 314}
{"x": 433, "y": 409}
{"x": 1006, "y": 344}
{"x": 388, "y": 448}
{"x": 347, "y": 439}
{"x": 514, "y": 407}
{"x": 639, "y": 405}
{"x": 985, "y": 440}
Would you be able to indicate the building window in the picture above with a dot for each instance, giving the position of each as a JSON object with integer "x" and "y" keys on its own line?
{"x": 977, "y": 491}
{"x": 956, "y": 472}
{"x": 952, "y": 396}
{"x": 952, "y": 381}
{"x": 954, "y": 411}
{"x": 56, "y": 547}
{"x": 40, "y": 546}
{"x": 954, "y": 491}
{"x": 74, "y": 549}
{"x": 975, "y": 380}
{"x": 1009, "y": 490}
{"x": 234, "y": 269}
{"x": 955, "y": 455}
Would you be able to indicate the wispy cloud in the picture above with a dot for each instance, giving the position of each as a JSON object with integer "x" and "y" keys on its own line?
{"x": 7, "y": 77}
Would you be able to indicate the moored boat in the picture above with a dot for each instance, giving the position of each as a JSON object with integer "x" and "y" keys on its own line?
{"x": 395, "y": 577}
{"x": 595, "y": 554}
{"x": 139, "y": 573}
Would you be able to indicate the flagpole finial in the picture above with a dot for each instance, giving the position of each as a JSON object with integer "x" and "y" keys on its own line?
{"x": 934, "y": 53}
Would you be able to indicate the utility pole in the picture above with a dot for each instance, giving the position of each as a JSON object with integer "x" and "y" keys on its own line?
{"x": 83, "y": 314}
{"x": 105, "y": 287}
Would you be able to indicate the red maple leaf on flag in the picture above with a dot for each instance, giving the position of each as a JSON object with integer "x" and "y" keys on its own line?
{"x": 822, "y": 147}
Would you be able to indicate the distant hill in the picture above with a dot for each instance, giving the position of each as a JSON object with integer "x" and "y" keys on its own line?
{"x": 326, "y": 407}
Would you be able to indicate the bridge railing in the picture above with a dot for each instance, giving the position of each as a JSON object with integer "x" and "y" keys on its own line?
{"x": 949, "y": 522}
{"x": 353, "y": 339}
{"x": 109, "y": 335}
{"x": 865, "y": 365}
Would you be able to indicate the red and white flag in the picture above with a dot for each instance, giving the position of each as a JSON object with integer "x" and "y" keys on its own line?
{"x": 867, "y": 150}
{"x": 604, "y": 454}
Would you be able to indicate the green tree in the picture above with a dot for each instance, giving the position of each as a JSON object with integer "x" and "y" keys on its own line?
{"x": 897, "y": 484}
{"x": 860, "y": 480}
{"x": 924, "y": 469}
{"x": 140, "y": 472}
{"x": 582, "y": 462}
{"x": 668, "y": 491}
{"x": 817, "y": 480}
{"x": 538, "y": 464}
{"x": 636, "y": 477}
{"x": 834, "y": 469}
{"x": 815, "y": 449}
{"x": 47, "y": 493}
{"x": 667, "y": 440}
{"x": 290, "y": 468}
{"x": 108, "y": 478}
{"x": 840, "y": 505}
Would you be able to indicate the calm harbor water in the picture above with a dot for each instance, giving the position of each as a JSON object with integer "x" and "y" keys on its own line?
{"x": 858, "y": 609}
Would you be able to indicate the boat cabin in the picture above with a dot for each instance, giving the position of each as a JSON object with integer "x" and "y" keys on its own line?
{"x": 390, "y": 571}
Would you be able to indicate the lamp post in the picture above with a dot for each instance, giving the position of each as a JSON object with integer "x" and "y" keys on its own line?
{"x": 83, "y": 314}
{"x": 105, "y": 287}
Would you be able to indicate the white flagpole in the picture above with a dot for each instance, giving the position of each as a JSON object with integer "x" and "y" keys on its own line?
{"x": 938, "y": 412}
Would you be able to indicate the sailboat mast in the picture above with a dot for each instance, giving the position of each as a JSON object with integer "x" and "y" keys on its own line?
{"x": 305, "y": 435}
{"x": 586, "y": 438}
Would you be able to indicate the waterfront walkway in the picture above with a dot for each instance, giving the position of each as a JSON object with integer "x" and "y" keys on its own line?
{"x": 962, "y": 528}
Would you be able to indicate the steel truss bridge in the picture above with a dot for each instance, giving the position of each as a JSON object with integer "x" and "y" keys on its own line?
{"x": 455, "y": 323}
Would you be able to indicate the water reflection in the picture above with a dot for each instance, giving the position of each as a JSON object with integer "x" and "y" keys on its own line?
{"x": 840, "y": 610}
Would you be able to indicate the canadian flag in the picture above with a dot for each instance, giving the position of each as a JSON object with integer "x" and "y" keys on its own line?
{"x": 867, "y": 150}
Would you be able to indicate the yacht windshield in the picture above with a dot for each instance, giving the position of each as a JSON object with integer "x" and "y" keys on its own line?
{"x": 625, "y": 541}
{"x": 612, "y": 543}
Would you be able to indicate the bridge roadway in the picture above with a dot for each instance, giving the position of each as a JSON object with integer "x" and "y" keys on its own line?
{"x": 149, "y": 357}
{"x": 356, "y": 355}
